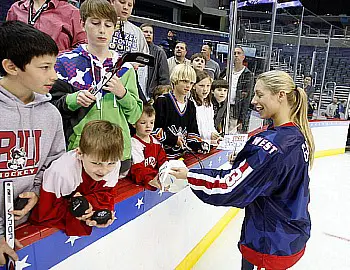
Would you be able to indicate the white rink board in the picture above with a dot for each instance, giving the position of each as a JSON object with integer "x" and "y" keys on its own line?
{"x": 158, "y": 239}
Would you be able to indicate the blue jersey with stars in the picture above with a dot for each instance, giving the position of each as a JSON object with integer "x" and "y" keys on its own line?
{"x": 270, "y": 179}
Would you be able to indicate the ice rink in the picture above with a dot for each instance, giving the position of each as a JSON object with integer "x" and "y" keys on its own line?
{"x": 329, "y": 245}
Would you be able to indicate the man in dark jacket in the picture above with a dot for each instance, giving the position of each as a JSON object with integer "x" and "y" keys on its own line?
{"x": 159, "y": 74}
{"x": 241, "y": 93}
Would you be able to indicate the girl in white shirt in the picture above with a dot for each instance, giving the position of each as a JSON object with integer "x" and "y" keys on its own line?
{"x": 204, "y": 108}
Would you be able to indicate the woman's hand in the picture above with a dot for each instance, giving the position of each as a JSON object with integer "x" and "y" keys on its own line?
{"x": 179, "y": 173}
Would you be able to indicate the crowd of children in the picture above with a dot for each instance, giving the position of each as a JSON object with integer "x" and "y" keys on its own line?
{"x": 95, "y": 127}
{"x": 186, "y": 116}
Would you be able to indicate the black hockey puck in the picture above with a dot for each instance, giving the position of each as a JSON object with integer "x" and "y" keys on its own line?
{"x": 78, "y": 206}
{"x": 20, "y": 203}
{"x": 102, "y": 216}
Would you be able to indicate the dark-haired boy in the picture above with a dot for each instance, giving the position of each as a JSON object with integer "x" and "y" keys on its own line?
{"x": 31, "y": 134}
{"x": 147, "y": 152}
{"x": 219, "y": 90}
{"x": 198, "y": 61}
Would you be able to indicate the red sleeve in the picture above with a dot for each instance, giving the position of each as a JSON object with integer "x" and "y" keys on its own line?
{"x": 102, "y": 197}
{"x": 53, "y": 212}
{"x": 143, "y": 175}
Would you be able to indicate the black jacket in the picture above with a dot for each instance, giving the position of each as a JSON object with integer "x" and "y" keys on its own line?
{"x": 159, "y": 74}
{"x": 219, "y": 114}
{"x": 244, "y": 96}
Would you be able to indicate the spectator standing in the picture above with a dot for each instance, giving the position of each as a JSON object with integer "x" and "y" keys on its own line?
{"x": 129, "y": 38}
{"x": 308, "y": 87}
{"x": 175, "y": 125}
{"x": 341, "y": 109}
{"x": 31, "y": 134}
{"x": 83, "y": 68}
{"x": 179, "y": 57}
{"x": 241, "y": 92}
{"x": 219, "y": 90}
{"x": 171, "y": 41}
{"x": 159, "y": 74}
{"x": 332, "y": 108}
{"x": 198, "y": 61}
{"x": 201, "y": 96}
{"x": 211, "y": 66}
{"x": 56, "y": 18}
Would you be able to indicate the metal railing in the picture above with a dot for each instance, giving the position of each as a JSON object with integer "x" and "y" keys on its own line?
{"x": 293, "y": 30}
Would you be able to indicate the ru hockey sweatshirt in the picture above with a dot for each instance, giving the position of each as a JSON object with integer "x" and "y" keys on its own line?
{"x": 31, "y": 137}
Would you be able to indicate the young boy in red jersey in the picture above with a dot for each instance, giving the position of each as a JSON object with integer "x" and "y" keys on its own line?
{"x": 91, "y": 171}
{"x": 147, "y": 152}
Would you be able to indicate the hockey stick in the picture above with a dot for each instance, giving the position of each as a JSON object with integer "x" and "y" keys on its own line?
{"x": 9, "y": 221}
{"x": 132, "y": 57}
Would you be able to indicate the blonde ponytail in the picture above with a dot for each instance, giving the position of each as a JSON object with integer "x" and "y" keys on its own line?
{"x": 299, "y": 117}
{"x": 277, "y": 81}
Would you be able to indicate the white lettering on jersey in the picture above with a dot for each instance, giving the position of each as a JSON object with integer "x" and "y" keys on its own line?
{"x": 150, "y": 161}
{"x": 306, "y": 151}
{"x": 265, "y": 144}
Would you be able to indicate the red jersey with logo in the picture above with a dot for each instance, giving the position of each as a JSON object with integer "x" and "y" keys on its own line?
{"x": 146, "y": 159}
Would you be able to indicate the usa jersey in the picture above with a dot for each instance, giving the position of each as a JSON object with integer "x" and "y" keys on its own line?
{"x": 270, "y": 179}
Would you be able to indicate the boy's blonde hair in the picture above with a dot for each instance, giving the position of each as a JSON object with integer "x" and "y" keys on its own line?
{"x": 98, "y": 8}
{"x": 103, "y": 140}
{"x": 182, "y": 72}
{"x": 277, "y": 81}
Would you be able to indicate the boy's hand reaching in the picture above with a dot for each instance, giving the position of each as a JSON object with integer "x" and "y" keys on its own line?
{"x": 155, "y": 182}
{"x": 88, "y": 213}
{"x": 179, "y": 173}
{"x": 32, "y": 200}
{"x": 5, "y": 249}
{"x": 85, "y": 98}
{"x": 116, "y": 87}
{"x": 92, "y": 223}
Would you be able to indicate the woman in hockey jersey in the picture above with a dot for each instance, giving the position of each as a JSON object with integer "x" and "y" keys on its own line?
{"x": 269, "y": 178}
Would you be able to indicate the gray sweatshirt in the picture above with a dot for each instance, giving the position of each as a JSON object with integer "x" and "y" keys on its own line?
{"x": 31, "y": 137}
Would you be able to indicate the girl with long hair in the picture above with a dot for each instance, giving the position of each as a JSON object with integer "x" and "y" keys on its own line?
{"x": 201, "y": 96}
